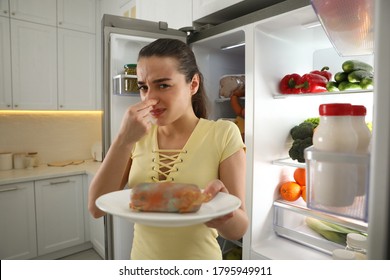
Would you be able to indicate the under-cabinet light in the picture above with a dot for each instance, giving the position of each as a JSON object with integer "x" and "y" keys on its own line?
{"x": 228, "y": 47}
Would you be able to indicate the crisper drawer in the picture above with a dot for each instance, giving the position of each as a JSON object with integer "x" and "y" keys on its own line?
{"x": 295, "y": 222}
{"x": 337, "y": 183}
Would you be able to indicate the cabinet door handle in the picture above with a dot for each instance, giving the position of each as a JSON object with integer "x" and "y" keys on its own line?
{"x": 59, "y": 182}
{"x": 8, "y": 190}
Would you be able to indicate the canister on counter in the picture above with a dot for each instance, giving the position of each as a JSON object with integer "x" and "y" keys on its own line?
{"x": 5, "y": 161}
{"x": 19, "y": 160}
{"x": 130, "y": 83}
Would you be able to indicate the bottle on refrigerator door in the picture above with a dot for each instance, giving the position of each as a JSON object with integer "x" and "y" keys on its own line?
{"x": 364, "y": 136}
{"x": 333, "y": 182}
{"x": 357, "y": 244}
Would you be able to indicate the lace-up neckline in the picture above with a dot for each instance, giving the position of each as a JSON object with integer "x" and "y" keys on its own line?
{"x": 166, "y": 162}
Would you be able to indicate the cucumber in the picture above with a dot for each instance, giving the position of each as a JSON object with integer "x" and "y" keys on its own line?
{"x": 340, "y": 77}
{"x": 332, "y": 86}
{"x": 358, "y": 75}
{"x": 367, "y": 83}
{"x": 349, "y": 86}
{"x": 352, "y": 65}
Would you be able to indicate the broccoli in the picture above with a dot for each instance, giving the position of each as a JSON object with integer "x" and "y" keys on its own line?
{"x": 302, "y": 131}
{"x": 297, "y": 149}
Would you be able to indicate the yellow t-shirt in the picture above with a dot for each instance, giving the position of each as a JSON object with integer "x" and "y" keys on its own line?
{"x": 198, "y": 163}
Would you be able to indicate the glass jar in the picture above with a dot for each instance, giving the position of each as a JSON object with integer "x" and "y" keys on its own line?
{"x": 334, "y": 184}
{"x": 130, "y": 83}
{"x": 357, "y": 243}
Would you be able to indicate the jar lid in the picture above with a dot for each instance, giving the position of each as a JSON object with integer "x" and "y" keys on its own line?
{"x": 335, "y": 109}
{"x": 130, "y": 66}
{"x": 358, "y": 110}
{"x": 357, "y": 240}
{"x": 341, "y": 254}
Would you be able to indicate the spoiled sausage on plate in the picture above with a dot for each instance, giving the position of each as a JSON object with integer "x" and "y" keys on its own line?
{"x": 167, "y": 197}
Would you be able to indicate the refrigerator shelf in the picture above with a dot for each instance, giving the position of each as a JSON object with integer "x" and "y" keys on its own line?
{"x": 289, "y": 222}
{"x": 226, "y": 99}
{"x": 281, "y": 96}
{"x": 289, "y": 162}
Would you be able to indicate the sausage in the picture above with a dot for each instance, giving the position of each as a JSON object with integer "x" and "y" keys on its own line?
{"x": 167, "y": 197}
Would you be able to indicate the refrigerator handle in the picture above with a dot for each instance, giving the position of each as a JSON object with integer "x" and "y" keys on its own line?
{"x": 162, "y": 25}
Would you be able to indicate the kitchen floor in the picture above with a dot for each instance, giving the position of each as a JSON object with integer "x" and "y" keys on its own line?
{"x": 90, "y": 254}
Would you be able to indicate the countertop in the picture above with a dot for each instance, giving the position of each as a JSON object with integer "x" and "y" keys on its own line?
{"x": 41, "y": 172}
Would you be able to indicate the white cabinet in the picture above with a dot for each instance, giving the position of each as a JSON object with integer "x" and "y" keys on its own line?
{"x": 77, "y": 15}
{"x": 59, "y": 210}
{"x": 4, "y": 8}
{"x": 38, "y": 11}
{"x": 17, "y": 219}
{"x": 96, "y": 228}
{"x": 34, "y": 65}
{"x": 5, "y": 65}
{"x": 76, "y": 70}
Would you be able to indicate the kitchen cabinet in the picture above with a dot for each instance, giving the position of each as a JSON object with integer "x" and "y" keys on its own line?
{"x": 37, "y": 11}
{"x": 4, "y": 8}
{"x": 34, "y": 65}
{"x": 77, "y": 15}
{"x": 17, "y": 218}
{"x": 76, "y": 70}
{"x": 96, "y": 226}
{"x": 202, "y": 8}
{"x": 59, "y": 210}
{"x": 5, "y": 65}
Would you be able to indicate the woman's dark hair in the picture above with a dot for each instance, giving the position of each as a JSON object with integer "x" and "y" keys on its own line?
{"x": 187, "y": 66}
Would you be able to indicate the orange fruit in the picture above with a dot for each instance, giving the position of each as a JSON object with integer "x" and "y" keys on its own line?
{"x": 290, "y": 191}
{"x": 300, "y": 176}
{"x": 303, "y": 194}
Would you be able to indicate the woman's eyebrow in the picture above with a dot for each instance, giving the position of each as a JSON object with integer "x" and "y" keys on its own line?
{"x": 156, "y": 81}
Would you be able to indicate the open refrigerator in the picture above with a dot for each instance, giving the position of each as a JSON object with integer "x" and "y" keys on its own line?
{"x": 270, "y": 43}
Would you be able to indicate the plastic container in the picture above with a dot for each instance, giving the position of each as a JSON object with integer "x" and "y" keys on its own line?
{"x": 364, "y": 136}
{"x": 357, "y": 244}
{"x": 5, "y": 161}
{"x": 335, "y": 182}
{"x": 341, "y": 254}
{"x": 130, "y": 83}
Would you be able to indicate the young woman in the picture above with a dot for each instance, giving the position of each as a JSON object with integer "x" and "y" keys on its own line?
{"x": 166, "y": 137}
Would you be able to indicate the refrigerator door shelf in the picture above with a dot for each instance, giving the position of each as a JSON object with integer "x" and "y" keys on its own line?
{"x": 119, "y": 85}
{"x": 289, "y": 222}
{"x": 349, "y": 177}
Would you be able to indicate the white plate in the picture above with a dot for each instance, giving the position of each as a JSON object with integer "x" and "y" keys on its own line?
{"x": 117, "y": 204}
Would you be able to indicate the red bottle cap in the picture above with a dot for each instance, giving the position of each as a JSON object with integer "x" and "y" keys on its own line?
{"x": 358, "y": 110}
{"x": 335, "y": 109}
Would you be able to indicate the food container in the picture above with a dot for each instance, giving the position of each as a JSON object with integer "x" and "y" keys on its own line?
{"x": 5, "y": 161}
{"x": 350, "y": 161}
{"x": 230, "y": 83}
{"x": 130, "y": 80}
{"x": 34, "y": 158}
{"x": 19, "y": 160}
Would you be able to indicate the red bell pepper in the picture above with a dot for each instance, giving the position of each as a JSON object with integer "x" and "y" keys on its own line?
{"x": 312, "y": 83}
{"x": 288, "y": 84}
{"x": 323, "y": 72}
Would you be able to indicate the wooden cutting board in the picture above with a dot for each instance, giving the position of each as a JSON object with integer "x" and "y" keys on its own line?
{"x": 65, "y": 163}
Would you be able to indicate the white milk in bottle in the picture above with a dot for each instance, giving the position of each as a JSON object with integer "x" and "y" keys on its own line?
{"x": 334, "y": 182}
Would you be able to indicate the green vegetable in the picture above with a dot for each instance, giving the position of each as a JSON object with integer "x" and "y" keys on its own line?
{"x": 332, "y": 86}
{"x": 352, "y": 65}
{"x": 349, "y": 86}
{"x": 298, "y": 147}
{"x": 326, "y": 231}
{"x": 358, "y": 75}
{"x": 340, "y": 77}
{"x": 367, "y": 83}
{"x": 302, "y": 131}
{"x": 314, "y": 121}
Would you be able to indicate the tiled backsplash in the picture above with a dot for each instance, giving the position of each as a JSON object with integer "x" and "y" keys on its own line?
{"x": 56, "y": 136}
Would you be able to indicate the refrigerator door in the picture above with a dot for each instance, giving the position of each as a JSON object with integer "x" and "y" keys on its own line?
{"x": 122, "y": 39}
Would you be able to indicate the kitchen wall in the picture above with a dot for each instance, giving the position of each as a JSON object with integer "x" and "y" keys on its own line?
{"x": 56, "y": 136}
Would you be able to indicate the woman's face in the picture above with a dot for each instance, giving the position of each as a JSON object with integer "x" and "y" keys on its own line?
{"x": 158, "y": 78}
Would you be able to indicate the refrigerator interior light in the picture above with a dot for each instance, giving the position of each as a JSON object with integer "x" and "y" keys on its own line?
{"x": 348, "y": 24}
{"x": 232, "y": 46}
